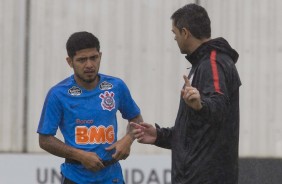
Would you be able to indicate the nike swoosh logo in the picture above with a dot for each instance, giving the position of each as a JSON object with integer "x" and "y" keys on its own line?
{"x": 74, "y": 106}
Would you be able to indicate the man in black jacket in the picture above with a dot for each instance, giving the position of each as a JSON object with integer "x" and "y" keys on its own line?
{"x": 204, "y": 140}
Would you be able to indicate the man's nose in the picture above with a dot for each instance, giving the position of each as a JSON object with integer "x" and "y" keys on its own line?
{"x": 89, "y": 62}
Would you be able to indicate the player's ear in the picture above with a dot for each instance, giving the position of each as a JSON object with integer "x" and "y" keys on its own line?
{"x": 69, "y": 60}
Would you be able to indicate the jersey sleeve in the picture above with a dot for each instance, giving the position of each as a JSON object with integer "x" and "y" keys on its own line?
{"x": 51, "y": 115}
{"x": 128, "y": 108}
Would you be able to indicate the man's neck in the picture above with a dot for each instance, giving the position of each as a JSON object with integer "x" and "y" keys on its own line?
{"x": 87, "y": 85}
{"x": 196, "y": 43}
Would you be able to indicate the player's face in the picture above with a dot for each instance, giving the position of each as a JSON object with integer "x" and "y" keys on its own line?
{"x": 86, "y": 64}
{"x": 178, "y": 37}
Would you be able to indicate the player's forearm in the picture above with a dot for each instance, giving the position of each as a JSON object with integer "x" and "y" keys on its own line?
{"x": 138, "y": 119}
{"x": 56, "y": 147}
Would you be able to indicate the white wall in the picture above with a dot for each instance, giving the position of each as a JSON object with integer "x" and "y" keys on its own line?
{"x": 138, "y": 47}
{"x": 11, "y": 74}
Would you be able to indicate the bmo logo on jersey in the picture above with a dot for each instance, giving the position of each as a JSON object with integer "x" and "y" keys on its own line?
{"x": 94, "y": 135}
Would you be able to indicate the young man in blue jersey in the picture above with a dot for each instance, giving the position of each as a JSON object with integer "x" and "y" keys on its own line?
{"x": 84, "y": 107}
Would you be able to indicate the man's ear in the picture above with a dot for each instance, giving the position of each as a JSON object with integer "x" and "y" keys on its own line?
{"x": 186, "y": 33}
{"x": 100, "y": 53}
{"x": 69, "y": 60}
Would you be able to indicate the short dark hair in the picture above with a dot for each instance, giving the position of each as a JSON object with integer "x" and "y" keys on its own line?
{"x": 81, "y": 40}
{"x": 194, "y": 18}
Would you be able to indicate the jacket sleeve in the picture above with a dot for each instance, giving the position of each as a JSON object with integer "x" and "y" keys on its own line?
{"x": 214, "y": 76}
{"x": 214, "y": 107}
{"x": 164, "y": 137}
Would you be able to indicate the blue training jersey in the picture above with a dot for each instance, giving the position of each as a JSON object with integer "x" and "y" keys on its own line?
{"x": 87, "y": 120}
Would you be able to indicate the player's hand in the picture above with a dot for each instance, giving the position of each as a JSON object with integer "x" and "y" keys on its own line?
{"x": 121, "y": 147}
{"x": 191, "y": 95}
{"x": 91, "y": 161}
{"x": 144, "y": 133}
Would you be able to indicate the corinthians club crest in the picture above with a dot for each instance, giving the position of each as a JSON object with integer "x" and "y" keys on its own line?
{"x": 108, "y": 101}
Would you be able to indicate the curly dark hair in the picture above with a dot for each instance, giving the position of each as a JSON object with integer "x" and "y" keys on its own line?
{"x": 194, "y": 18}
{"x": 81, "y": 40}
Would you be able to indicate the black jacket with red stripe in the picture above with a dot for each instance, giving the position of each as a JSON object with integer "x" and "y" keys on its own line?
{"x": 204, "y": 143}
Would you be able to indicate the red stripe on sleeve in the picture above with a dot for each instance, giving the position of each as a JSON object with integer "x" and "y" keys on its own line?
{"x": 214, "y": 71}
